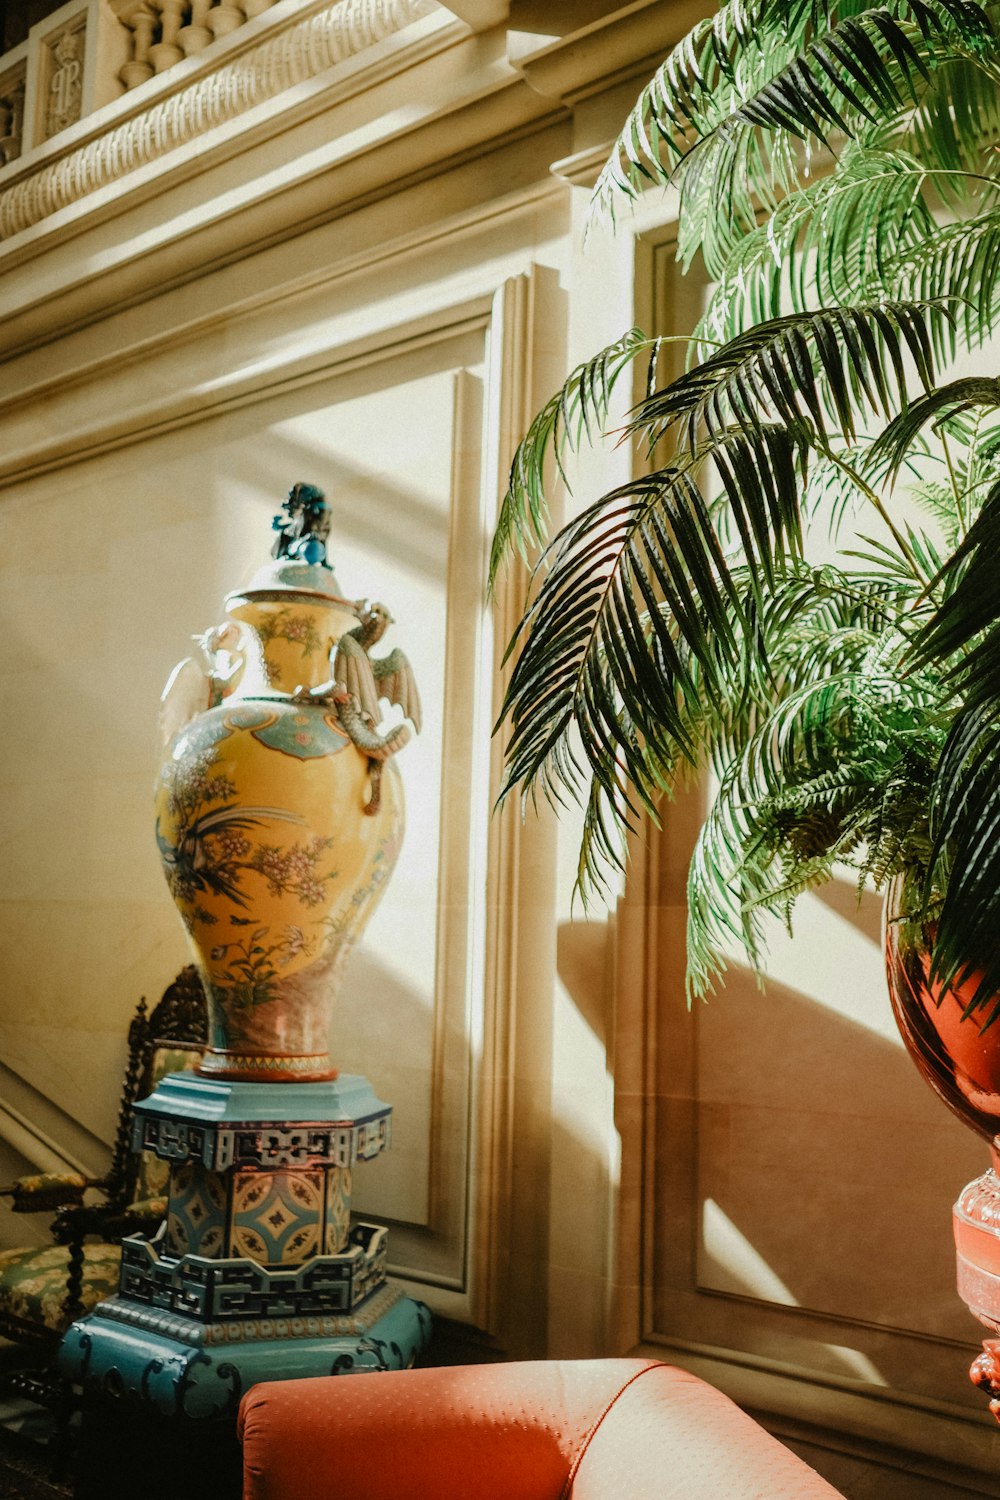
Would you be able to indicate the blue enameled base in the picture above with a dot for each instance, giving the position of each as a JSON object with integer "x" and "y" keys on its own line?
{"x": 109, "y": 1358}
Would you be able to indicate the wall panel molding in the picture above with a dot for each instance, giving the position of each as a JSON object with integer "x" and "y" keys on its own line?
{"x": 172, "y": 408}
{"x": 515, "y": 1106}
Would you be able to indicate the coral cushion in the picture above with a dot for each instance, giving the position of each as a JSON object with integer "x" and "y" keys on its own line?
{"x": 539, "y": 1431}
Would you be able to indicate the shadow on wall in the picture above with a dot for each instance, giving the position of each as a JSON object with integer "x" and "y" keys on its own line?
{"x": 864, "y": 915}
{"x": 384, "y": 1029}
{"x": 583, "y": 963}
{"x": 88, "y": 922}
{"x": 368, "y": 504}
{"x": 824, "y": 1169}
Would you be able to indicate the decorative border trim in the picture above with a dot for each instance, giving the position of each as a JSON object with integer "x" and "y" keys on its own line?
{"x": 237, "y": 1290}
{"x": 249, "y": 1067}
{"x": 256, "y": 1330}
{"x": 296, "y": 55}
{"x": 260, "y": 1143}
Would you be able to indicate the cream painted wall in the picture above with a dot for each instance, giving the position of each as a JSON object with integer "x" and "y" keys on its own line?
{"x": 138, "y": 566}
{"x": 395, "y": 380}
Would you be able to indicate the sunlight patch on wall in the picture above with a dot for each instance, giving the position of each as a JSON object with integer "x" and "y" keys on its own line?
{"x": 736, "y": 1259}
{"x": 835, "y": 957}
{"x": 859, "y": 1364}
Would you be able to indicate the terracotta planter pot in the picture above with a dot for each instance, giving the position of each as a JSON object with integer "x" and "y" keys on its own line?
{"x": 958, "y": 1058}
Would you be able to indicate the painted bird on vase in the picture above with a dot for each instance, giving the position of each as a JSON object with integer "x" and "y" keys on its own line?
{"x": 189, "y": 864}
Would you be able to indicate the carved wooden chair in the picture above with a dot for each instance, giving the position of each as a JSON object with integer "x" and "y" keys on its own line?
{"x": 42, "y": 1290}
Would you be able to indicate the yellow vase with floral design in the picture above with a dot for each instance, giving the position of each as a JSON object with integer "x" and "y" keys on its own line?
{"x": 279, "y": 812}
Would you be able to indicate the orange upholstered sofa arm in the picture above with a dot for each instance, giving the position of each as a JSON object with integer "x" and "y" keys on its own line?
{"x": 551, "y": 1430}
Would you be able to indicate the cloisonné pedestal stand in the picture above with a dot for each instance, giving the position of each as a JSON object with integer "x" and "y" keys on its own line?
{"x": 257, "y": 1273}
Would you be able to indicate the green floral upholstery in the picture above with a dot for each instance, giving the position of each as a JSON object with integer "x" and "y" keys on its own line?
{"x": 33, "y": 1282}
{"x": 47, "y": 1190}
{"x": 92, "y": 1215}
{"x": 149, "y": 1208}
{"x": 64, "y": 1183}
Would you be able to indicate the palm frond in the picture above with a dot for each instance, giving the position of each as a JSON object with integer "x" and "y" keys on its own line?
{"x": 847, "y": 228}
{"x": 835, "y": 488}
{"x": 722, "y": 62}
{"x": 939, "y": 406}
{"x": 637, "y": 618}
{"x": 958, "y": 125}
{"x": 963, "y": 635}
{"x": 866, "y": 66}
{"x": 797, "y": 370}
{"x": 852, "y": 712}
{"x": 690, "y": 93}
{"x": 575, "y": 413}
{"x": 840, "y": 771}
{"x": 792, "y": 370}
{"x": 867, "y": 69}
{"x": 965, "y": 257}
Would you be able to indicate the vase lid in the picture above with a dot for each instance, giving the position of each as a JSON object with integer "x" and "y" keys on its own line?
{"x": 298, "y": 558}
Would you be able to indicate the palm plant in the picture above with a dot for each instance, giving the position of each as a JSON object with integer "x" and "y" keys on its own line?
{"x": 849, "y": 710}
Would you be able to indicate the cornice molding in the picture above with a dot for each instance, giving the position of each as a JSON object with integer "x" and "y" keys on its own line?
{"x": 481, "y": 15}
{"x": 307, "y": 47}
{"x": 583, "y": 168}
{"x": 608, "y": 51}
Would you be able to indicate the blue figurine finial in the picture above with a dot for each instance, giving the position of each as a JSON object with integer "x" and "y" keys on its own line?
{"x": 303, "y": 525}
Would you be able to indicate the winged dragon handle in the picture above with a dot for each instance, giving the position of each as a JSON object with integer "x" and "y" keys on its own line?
{"x": 360, "y": 681}
{"x": 202, "y": 681}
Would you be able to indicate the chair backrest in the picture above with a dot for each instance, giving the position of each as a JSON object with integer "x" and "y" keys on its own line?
{"x": 170, "y": 1040}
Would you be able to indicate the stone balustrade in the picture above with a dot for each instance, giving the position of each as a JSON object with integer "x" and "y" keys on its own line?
{"x": 162, "y": 32}
{"x": 94, "y": 53}
{"x": 90, "y": 52}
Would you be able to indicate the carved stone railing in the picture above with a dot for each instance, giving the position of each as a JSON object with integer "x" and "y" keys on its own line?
{"x": 163, "y": 32}
{"x": 90, "y": 51}
{"x": 84, "y": 56}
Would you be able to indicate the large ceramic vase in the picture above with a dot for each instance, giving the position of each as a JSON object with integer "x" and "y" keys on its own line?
{"x": 959, "y": 1056}
{"x": 279, "y": 813}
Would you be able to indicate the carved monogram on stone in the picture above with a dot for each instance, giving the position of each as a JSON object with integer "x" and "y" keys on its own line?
{"x": 66, "y": 83}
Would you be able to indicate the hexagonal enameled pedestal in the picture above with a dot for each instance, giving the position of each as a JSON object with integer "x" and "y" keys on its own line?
{"x": 257, "y": 1273}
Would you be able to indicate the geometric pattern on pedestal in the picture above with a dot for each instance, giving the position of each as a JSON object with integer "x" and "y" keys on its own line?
{"x": 236, "y": 1294}
{"x": 277, "y": 1216}
{"x": 220, "y": 1126}
{"x": 274, "y": 1218}
{"x": 338, "y": 1210}
{"x": 196, "y": 1211}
